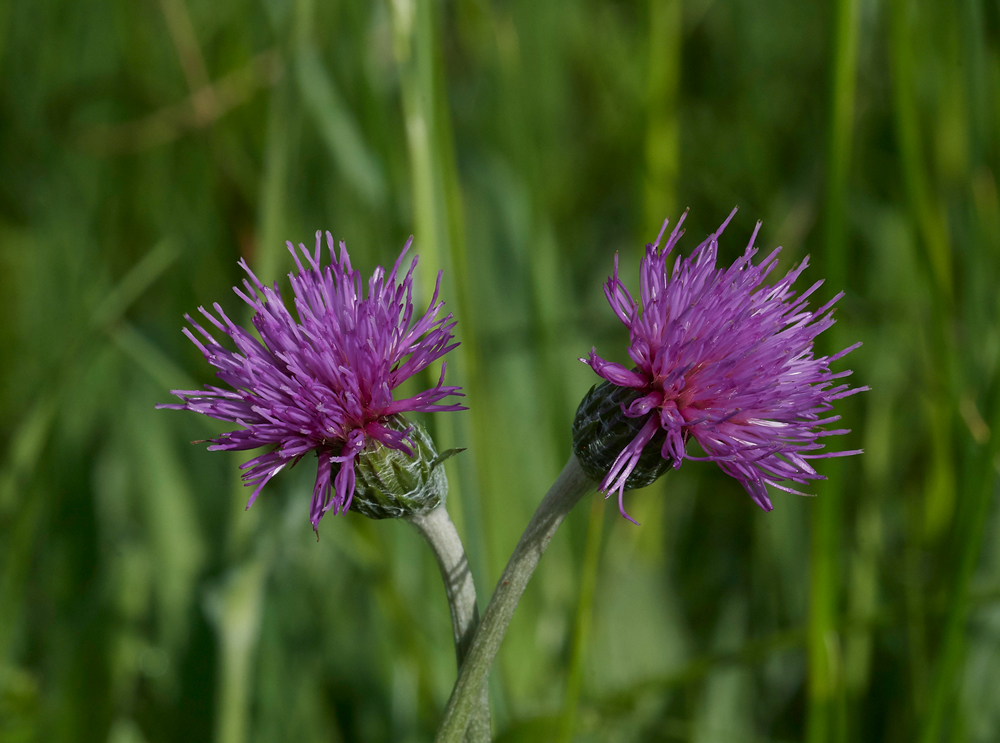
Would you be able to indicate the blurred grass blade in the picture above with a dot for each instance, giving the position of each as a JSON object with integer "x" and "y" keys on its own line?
{"x": 189, "y": 54}
{"x": 825, "y": 716}
{"x": 952, "y": 654}
{"x": 5, "y": 12}
{"x": 666, "y": 25}
{"x": 440, "y": 238}
{"x": 170, "y": 521}
{"x": 980, "y": 497}
{"x": 584, "y": 617}
{"x": 338, "y": 127}
{"x": 20, "y": 537}
{"x": 135, "y": 283}
{"x": 31, "y": 436}
{"x": 469, "y": 362}
{"x": 926, "y": 213}
{"x": 412, "y": 35}
{"x": 752, "y": 652}
{"x": 281, "y": 139}
{"x": 823, "y": 646}
{"x": 26, "y": 447}
{"x": 161, "y": 368}
{"x": 171, "y": 122}
{"x": 235, "y": 608}
{"x": 726, "y": 708}
{"x": 440, "y": 229}
{"x": 840, "y": 136}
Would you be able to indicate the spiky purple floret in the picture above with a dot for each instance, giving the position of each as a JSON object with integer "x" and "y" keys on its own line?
{"x": 727, "y": 361}
{"x": 323, "y": 383}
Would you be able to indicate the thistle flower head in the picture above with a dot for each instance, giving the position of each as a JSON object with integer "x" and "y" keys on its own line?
{"x": 721, "y": 358}
{"x": 322, "y": 382}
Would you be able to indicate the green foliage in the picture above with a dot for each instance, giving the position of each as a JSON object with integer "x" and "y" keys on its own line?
{"x": 145, "y": 147}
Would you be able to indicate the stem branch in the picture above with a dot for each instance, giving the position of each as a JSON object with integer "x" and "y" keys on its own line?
{"x": 439, "y": 531}
{"x": 571, "y": 485}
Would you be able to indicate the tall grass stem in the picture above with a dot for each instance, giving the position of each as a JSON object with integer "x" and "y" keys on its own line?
{"x": 826, "y": 688}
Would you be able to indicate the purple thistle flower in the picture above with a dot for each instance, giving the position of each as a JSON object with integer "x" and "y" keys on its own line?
{"x": 323, "y": 383}
{"x": 723, "y": 359}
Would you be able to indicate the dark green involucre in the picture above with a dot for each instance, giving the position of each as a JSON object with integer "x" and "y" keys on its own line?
{"x": 601, "y": 430}
{"x": 391, "y": 485}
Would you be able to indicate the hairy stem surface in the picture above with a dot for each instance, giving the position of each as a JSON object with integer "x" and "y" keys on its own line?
{"x": 439, "y": 531}
{"x": 571, "y": 485}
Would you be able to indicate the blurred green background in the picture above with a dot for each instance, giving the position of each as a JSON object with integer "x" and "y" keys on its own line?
{"x": 146, "y": 146}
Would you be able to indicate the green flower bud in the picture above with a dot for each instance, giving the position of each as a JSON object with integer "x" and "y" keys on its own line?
{"x": 389, "y": 484}
{"x": 601, "y": 431}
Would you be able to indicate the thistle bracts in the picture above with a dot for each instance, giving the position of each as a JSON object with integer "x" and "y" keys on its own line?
{"x": 391, "y": 484}
{"x": 601, "y": 432}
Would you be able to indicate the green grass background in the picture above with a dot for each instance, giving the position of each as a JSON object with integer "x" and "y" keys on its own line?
{"x": 145, "y": 146}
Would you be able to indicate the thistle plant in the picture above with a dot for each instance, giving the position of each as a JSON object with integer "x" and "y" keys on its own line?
{"x": 723, "y": 370}
{"x": 323, "y": 383}
{"x": 718, "y": 357}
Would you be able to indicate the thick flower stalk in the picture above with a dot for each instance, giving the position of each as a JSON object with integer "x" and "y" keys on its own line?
{"x": 323, "y": 382}
{"x": 721, "y": 358}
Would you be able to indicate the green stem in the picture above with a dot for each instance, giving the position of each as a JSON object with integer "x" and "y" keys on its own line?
{"x": 826, "y": 708}
{"x": 571, "y": 485}
{"x": 439, "y": 531}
